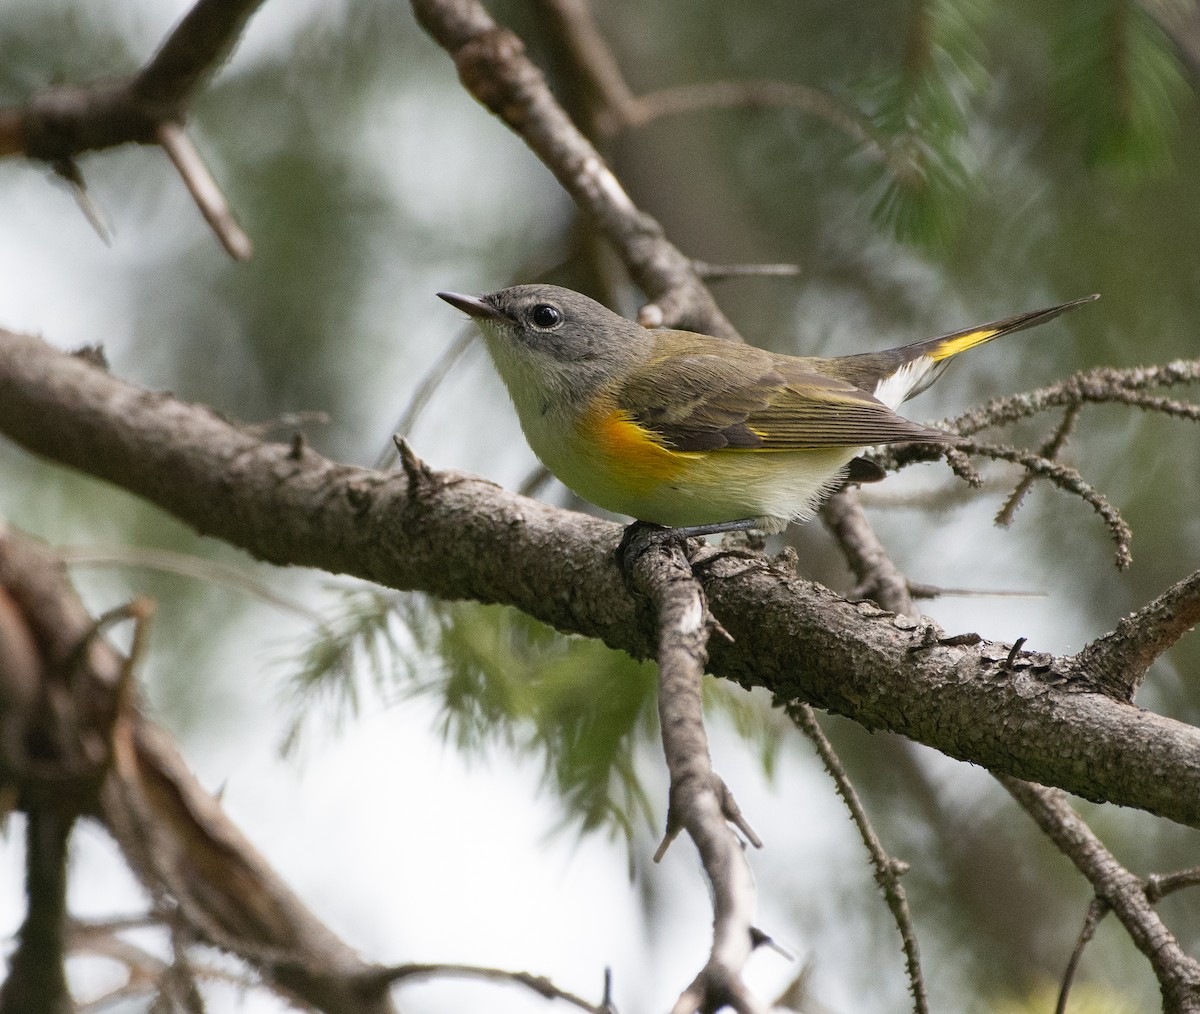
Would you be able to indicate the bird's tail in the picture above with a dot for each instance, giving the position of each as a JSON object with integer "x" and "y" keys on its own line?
{"x": 952, "y": 344}
{"x": 903, "y": 372}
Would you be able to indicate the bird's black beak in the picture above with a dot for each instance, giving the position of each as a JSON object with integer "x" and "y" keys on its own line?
{"x": 473, "y": 305}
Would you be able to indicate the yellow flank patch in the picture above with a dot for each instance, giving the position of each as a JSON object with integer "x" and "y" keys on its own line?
{"x": 953, "y": 346}
{"x": 633, "y": 453}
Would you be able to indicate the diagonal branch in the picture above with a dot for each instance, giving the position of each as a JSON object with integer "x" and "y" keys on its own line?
{"x": 1124, "y": 893}
{"x": 493, "y": 67}
{"x": 878, "y": 577}
{"x": 194, "y": 50}
{"x": 887, "y": 870}
{"x": 1118, "y": 661}
{"x": 537, "y": 983}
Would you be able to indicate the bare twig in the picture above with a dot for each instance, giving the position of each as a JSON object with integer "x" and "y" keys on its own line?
{"x": 1097, "y": 910}
{"x": 1099, "y": 386}
{"x": 1065, "y": 478}
{"x": 1159, "y": 885}
{"x": 763, "y": 94}
{"x": 544, "y": 988}
{"x": 931, "y": 591}
{"x": 714, "y": 272}
{"x": 878, "y": 577}
{"x": 148, "y": 108}
{"x": 887, "y": 869}
{"x": 1177, "y": 972}
{"x": 425, "y": 390}
{"x": 1048, "y": 450}
{"x": 185, "y": 565}
{"x": 148, "y": 974}
{"x": 699, "y": 800}
{"x": 204, "y": 190}
{"x": 1117, "y": 662}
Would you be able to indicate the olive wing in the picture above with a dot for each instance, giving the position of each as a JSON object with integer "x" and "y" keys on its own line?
{"x": 740, "y": 398}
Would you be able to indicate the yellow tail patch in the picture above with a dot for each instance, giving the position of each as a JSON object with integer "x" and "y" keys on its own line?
{"x": 960, "y": 343}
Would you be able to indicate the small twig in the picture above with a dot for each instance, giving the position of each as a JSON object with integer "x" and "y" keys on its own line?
{"x": 538, "y": 477}
{"x": 67, "y": 170}
{"x": 1098, "y": 386}
{"x": 378, "y": 979}
{"x": 1118, "y": 661}
{"x": 657, "y": 568}
{"x": 1048, "y": 450}
{"x": 712, "y": 272}
{"x": 1159, "y": 885}
{"x": 425, "y": 390}
{"x": 961, "y": 466}
{"x": 1065, "y": 478}
{"x": 1013, "y": 652}
{"x": 887, "y": 869}
{"x": 930, "y": 591}
{"x": 878, "y": 577}
{"x": 1097, "y": 910}
{"x": 204, "y": 190}
{"x": 185, "y": 565}
{"x": 287, "y": 421}
{"x": 709, "y": 95}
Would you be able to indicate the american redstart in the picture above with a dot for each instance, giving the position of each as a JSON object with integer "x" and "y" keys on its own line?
{"x": 695, "y": 432}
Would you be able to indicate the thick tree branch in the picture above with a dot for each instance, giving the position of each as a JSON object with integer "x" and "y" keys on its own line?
{"x": 456, "y": 536}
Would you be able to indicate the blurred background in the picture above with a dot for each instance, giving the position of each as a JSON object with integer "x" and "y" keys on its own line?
{"x": 462, "y": 785}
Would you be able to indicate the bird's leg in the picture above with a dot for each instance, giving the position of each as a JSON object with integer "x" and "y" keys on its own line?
{"x": 696, "y": 531}
{"x": 640, "y": 535}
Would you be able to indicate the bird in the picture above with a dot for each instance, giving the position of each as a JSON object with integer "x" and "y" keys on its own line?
{"x": 700, "y": 433}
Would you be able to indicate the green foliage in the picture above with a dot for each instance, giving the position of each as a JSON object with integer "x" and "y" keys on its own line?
{"x": 920, "y": 111}
{"x": 362, "y": 636}
{"x": 1119, "y": 80}
{"x": 499, "y": 679}
{"x": 502, "y": 679}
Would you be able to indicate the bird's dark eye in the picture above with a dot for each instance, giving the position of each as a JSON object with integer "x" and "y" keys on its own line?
{"x": 546, "y": 316}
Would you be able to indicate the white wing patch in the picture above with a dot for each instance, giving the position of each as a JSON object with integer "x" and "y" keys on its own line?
{"x": 911, "y": 377}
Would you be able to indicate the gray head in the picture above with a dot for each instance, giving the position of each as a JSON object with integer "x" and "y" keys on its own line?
{"x": 550, "y": 343}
